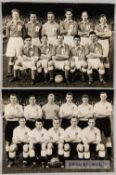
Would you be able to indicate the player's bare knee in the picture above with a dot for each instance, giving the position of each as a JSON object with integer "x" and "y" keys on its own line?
{"x": 66, "y": 147}
{"x": 50, "y": 146}
{"x": 79, "y": 148}
{"x": 26, "y": 148}
{"x": 50, "y": 65}
{"x": 67, "y": 65}
{"x": 12, "y": 148}
{"x": 43, "y": 146}
{"x": 86, "y": 147}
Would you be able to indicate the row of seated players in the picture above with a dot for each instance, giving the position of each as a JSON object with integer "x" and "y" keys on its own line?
{"x": 40, "y": 145}
{"x": 102, "y": 111}
{"x": 48, "y": 58}
{"x": 68, "y": 28}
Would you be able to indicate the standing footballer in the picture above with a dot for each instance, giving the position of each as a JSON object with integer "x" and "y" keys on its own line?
{"x": 33, "y": 27}
{"x": 51, "y": 28}
{"x": 14, "y": 32}
{"x": 50, "y": 111}
{"x": 85, "y": 111}
{"x": 68, "y": 110}
{"x": 32, "y": 112}
{"x": 103, "y": 114}
{"x": 13, "y": 111}
{"x": 103, "y": 31}
{"x": 68, "y": 27}
{"x": 84, "y": 28}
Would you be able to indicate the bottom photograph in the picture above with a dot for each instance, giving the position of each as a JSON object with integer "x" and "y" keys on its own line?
{"x": 54, "y": 130}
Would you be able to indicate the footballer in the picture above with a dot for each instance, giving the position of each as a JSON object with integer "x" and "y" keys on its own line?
{"x": 32, "y": 112}
{"x": 103, "y": 113}
{"x": 14, "y": 32}
{"x": 20, "y": 143}
{"x": 68, "y": 110}
{"x": 27, "y": 59}
{"x": 50, "y": 111}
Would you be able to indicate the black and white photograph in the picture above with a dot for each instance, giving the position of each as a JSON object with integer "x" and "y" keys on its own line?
{"x": 58, "y": 44}
{"x": 58, "y": 130}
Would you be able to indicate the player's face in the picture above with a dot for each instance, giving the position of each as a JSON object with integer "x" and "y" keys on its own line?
{"x": 22, "y": 122}
{"x": 76, "y": 41}
{"x": 74, "y": 122}
{"x": 91, "y": 123}
{"x": 85, "y": 100}
{"x": 103, "y": 97}
{"x": 51, "y": 98}
{"x": 84, "y": 16}
{"x": 69, "y": 98}
{"x": 103, "y": 20}
{"x": 39, "y": 125}
{"x": 56, "y": 124}
{"x": 15, "y": 15}
{"x": 33, "y": 17}
{"x": 44, "y": 40}
{"x": 13, "y": 99}
{"x": 50, "y": 17}
{"x": 32, "y": 101}
{"x": 93, "y": 37}
{"x": 27, "y": 41}
{"x": 60, "y": 39}
{"x": 68, "y": 15}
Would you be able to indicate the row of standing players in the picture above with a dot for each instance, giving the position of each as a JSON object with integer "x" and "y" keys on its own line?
{"x": 92, "y": 142}
{"x": 98, "y": 45}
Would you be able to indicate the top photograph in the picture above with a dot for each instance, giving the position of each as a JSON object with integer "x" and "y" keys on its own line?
{"x": 57, "y": 44}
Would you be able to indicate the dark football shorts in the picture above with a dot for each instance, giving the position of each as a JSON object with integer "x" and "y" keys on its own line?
{"x": 104, "y": 125}
{"x": 82, "y": 124}
{"x": 10, "y": 126}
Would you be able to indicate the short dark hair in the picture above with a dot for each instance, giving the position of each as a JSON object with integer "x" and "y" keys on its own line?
{"x": 85, "y": 96}
{"x": 77, "y": 36}
{"x": 39, "y": 120}
{"x": 68, "y": 10}
{"x": 69, "y": 93}
{"x": 102, "y": 15}
{"x": 27, "y": 36}
{"x": 92, "y": 33}
{"x": 22, "y": 118}
{"x": 15, "y": 10}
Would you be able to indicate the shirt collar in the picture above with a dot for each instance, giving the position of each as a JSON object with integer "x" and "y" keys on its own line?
{"x": 31, "y": 47}
{"x": 36, "y": 22}
{"x": 19, "y": 20}
{"x": 68, "y": 20}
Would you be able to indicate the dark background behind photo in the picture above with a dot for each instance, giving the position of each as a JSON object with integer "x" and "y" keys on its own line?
{"x": 41, "y": 95}
{"x": 59, "y": 8}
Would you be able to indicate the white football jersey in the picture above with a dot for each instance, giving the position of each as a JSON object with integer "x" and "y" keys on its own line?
{"x": 56, "y": 136}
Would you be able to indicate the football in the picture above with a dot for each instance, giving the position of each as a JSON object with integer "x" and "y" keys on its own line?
{"x": 58, "y": 78}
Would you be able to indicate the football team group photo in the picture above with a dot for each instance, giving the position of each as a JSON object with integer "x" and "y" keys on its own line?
{"x": 44, "y": 129}
{"x": 58, "y": 44}
{"x": 57, "y": 87}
